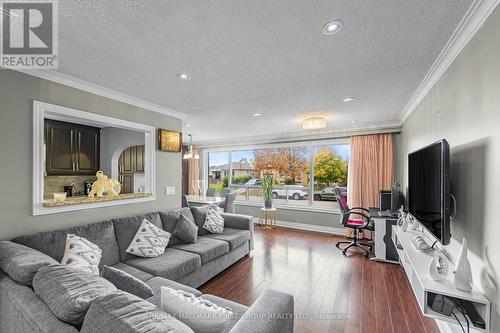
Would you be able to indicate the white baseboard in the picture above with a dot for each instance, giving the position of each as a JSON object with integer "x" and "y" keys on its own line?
{"x": 308, "y": 227}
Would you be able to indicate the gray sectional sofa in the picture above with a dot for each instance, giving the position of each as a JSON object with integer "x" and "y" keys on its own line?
{"x": 182, "y": 266}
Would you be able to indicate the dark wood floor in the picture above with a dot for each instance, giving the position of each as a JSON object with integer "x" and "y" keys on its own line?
{"x": 353, "y": 293}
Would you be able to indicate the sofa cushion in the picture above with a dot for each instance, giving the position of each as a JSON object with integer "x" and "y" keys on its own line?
{"x": 141, "y": 275}
{"x": 149, "y": 241}
{"x": 126, "y": 228}
{"x": 126, "y": 282}
{"x": 169, "y": 221}
{"x": 200, "y": 215}
{"x": 237, "y": 309}
{"x": 207, "y": 248}
{"x": 186, "y": 230}
{"x": 121, "y": 312}
{"x": 235, "y": 237}
{"x": 173, "y": 264}
{"x": 68, "y": 292}
{"x": 21, "y": 262}
{"x": 52, "y": 243}
{"x": 157, "y": 282}
{"x": 201, "y": 315}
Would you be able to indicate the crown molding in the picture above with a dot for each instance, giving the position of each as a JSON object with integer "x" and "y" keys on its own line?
{"x": 96, "y": 89}
{"x": 467, "y": 28}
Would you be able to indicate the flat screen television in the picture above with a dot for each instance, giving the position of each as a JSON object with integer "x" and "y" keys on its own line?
{"x": 429, "y": 188}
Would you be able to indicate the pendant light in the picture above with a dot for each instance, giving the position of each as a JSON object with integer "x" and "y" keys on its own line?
{"x": 189, "y": 154}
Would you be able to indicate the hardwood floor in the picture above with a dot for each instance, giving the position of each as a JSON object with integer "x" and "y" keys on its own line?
{"x": 332, "y": 293}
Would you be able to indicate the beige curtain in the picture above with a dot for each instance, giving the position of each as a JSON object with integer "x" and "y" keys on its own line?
{"x": 370, "y": 170}
{"x": 193, "y": 174}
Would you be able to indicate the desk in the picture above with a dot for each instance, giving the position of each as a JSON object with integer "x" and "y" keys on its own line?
{"x": 384, "y": 246}
{"x": 199, "y": 200}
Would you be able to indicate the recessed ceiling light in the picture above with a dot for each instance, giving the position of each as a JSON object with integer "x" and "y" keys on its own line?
{"x": 313, "y": 123}
{"x": 188, "y": 125}
{"x": 349, "y": 99}
{"x": 184, "y": 76}
{"x": 354, "y": 121}
{"x": 257, "y": 114}
{"x": 332, "y": 27}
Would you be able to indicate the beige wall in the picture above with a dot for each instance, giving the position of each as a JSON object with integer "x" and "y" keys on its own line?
{"x": 17, "y": 91}
{"x": 464, "y": 108}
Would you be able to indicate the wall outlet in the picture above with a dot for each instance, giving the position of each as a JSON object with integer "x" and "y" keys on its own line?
{"x": 170, "y": 190}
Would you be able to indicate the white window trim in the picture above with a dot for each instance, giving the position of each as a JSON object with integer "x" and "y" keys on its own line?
{"x": 42, "y": 111}
{"x": 310, "y": 144}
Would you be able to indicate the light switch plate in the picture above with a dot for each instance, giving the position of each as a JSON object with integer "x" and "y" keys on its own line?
{"x": 170, "y": 190}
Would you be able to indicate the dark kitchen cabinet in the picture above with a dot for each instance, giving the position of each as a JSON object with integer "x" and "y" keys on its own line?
{"x": 139, "y": 159}
{"x": 127, "y": 183}
{"x": 130, "y": 162}
{"x": 71, "y": 149}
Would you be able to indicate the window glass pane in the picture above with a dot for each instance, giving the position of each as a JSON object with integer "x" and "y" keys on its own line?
{"x": 330, "y": 170}
{"x": 291, "y": 167}
{"x": 218, "y": 172}
{"x": 245, "y": 180}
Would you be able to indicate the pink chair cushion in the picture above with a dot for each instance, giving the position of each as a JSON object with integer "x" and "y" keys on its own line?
{"x": 355, "y": 222}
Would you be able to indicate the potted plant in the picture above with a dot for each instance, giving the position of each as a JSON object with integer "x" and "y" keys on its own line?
{"x": 268, "y": 183}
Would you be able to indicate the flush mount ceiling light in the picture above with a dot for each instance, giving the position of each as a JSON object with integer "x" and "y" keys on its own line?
{"x": 184, "y": 76}
{"x": 332, "y": 27}
{"x": 313, "y": 123}
{"x": 189, "y": 153}
{"x": 349, "y": 99}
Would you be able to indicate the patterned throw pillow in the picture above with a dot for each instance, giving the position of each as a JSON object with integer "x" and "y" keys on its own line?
{"x": 214, "y": 222}
{"x": 149, "y": 241}
{"x": 82, "y": 254}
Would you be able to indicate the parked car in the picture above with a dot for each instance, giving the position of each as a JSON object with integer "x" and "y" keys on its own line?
{"x": 296, "y": 192}
{"x": 253, "y": 182}
{"x": 327, "y": 194}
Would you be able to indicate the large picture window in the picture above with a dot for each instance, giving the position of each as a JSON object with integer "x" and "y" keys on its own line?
{"x": 306, "y": 172}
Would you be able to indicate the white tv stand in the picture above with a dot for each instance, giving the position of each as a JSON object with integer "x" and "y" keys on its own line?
{"x": 416, "y": 263}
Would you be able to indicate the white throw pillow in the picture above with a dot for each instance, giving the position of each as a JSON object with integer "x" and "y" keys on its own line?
{"x": 149, "y": 241}
{"x": 214, "y": 222}
{"x": 81, "y": 253}
{"x": 201, "y": 315}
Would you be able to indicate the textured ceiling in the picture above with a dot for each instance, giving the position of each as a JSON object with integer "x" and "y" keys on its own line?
{"x": 258, "y": 56}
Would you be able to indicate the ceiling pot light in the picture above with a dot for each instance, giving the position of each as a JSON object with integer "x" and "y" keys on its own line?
{"x": 188, "y": 125}
{"x": 349, "y": 99}
{"x": 332, "y": 27}
{"x": 313, "y": 123}
{"x": 257, "y": 114}
{"x": 184, "y": 76}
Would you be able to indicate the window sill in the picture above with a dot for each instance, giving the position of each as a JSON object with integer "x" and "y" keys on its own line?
{"x": 290, "y": 207}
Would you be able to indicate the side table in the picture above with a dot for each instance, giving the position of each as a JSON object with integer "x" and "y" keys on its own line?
{"x": 268, "y": 218}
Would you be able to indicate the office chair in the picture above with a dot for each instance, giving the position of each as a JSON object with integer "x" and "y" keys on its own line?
{"x": 365, "y": 223}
